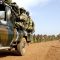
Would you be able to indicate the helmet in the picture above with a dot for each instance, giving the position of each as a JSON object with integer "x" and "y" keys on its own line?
{"x": 8, "y": 1}
{"x": 22, "y": 9}
{"x": 27, "y": 13}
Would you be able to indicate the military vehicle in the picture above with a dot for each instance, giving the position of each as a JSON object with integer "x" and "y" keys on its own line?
{"x": 8, "y": 32}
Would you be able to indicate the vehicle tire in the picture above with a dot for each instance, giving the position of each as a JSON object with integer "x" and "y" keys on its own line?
{"x": 21, "y": 47}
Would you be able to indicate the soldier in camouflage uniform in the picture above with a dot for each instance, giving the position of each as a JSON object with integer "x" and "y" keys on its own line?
{"x": 30, "y": 22}
{"x": 15, "y": 8}
{"x": 21, "y": 23}
{"x": 20, "y": 15}
{"x": 21, "y": 19}
{"x": 30, "y": 28}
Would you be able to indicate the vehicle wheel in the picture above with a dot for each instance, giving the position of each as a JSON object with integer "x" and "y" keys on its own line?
{"x": 21, "y": 47}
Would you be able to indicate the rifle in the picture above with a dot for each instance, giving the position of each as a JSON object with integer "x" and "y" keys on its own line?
{"x": 12, "y": 10}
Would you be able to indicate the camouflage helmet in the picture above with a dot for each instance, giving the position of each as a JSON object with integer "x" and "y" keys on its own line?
{"x": 27, "y": 13}
{"x": 8, "y": 1}
{"x": 22, "y": 9}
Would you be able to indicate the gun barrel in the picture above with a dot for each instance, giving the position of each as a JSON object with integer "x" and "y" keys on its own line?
{"x": 12, "y": 10}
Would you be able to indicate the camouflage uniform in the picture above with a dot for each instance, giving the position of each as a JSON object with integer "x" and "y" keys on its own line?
{"x": 30, "y": 27}
{"x": 21, "y": 23}
{"x": 15, "y": 8}
{"x": 30, "y": 23}
{"x": 23, "y": 18}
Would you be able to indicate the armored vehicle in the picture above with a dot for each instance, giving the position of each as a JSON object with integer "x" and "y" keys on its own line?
{"x": 8, "y": 33}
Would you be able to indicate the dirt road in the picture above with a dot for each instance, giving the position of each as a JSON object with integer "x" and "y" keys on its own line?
{"x": 36, "y": 51}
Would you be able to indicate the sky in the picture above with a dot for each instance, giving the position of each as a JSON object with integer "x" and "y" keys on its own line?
{"x": 45, "y": 14}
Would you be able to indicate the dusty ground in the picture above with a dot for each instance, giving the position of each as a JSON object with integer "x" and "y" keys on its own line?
{"x": 37, "y": 51}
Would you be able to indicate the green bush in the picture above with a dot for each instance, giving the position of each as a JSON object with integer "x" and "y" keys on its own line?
{"x": 44, "y": 38}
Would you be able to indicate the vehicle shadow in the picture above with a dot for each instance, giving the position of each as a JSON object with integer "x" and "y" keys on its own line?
{"x": 4, "y": 53}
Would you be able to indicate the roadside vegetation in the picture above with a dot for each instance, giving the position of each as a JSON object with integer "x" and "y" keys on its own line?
{"x": 44, "y": 38}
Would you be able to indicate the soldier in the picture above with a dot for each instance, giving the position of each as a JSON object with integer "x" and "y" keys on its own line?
{"x": 30, "y": 28}
{"x": 23, "y": 17}
{"x": 21, "y": 23}
{"x": 30, "y": 23}
{"x": 15, "y": 8}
